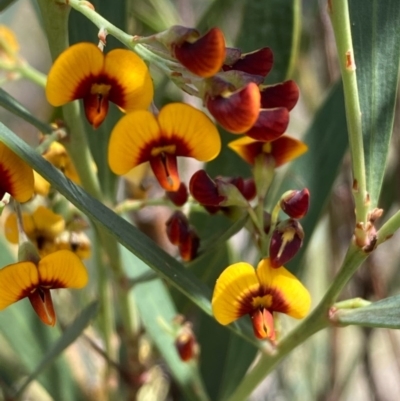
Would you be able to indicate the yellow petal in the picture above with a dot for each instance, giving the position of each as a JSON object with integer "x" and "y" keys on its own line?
{"x": 73, "y": 72}
{"x": 16, "y": 282}
{"x": 193, "y": 132}
{"x": 62, "y": 269}
{"x": 134, "y": 87}
{"x": 131, "y": 141}
{"x": 16, "y": 177}
{"x": 288, "y": 294}
{"x": 42, "y": 187}
{"x": 8, "y": 37}
{"x": 11, "y": 227}
{"x": 232, "y": 290}
{"x": 48, "y": 224}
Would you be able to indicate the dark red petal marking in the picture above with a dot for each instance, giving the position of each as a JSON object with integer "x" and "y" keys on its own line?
{"x": 6, "y": 184}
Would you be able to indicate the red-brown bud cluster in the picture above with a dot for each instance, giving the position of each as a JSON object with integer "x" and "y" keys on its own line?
{"x": 286, "y": 240}
{"x": 222, "y": 192}
{"x": 181, "y": 234}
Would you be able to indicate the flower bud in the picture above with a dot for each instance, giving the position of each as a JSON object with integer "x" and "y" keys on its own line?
{"x": 286, "y": 240}
{"x": 258, "y": 62}
{"x": 186, "y": 343}
{"x": 204, "y": 189}
{"x": 178, "y": 197}
{"x": 177, "y": 227}
{"x": 295, "y": 203}
{"x": 285, "y": 94}
{"x": 203, "y": 55}
{"x": 189, "y": 245}
{"x": 236, "y": 111}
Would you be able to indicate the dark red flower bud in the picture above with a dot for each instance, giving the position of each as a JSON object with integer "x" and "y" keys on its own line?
{"x": 286, "y": 240}
{"x": 203, "y": 56}
{"x": 295, "y": 203}
{"x": 258, "y": 62}
{"x": 186, "y": 343}
{"x": 285, "y": 95}
{"x": 204, "y": 189}
{"x": 246, "y": 186}
{"x": 178, "y": 197}
{"x": 177, "y": 227}
{"x": 237, "y": 111}
{"x": 270, "y": 124}
{"x": 189, "y": 245}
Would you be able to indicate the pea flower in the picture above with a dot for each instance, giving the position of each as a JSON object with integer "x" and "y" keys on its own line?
{"x": 283, "y": 149}
{"x": 61, "y": 269}
{"x": 57, "y": 155}
{"x": 242, "y": 290}
{"x": 178, "y": 130}
{"x": 84, "y": 72}
{"x": 16, "y": 176}
{"x": 42, "y": 227}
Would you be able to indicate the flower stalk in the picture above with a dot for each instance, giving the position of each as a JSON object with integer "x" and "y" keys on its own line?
{"x": 339, "y": 14}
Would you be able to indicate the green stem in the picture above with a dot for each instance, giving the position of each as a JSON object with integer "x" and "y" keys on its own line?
{"x": 28, "y": 72}
{"x": 315, "y": 322}
{"x": 119, "y": 34}
{"x": 339, "y": 14}
{"x": 389, "y": 228}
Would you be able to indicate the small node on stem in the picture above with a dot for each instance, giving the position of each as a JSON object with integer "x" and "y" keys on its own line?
{"x": 102, "y": 35}
{"x": 350, "y": 63}
{"x": 86, "y": 4}
{"x": 355, "y": 185}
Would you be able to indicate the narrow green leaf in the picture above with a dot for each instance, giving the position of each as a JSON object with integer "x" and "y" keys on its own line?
{"x": 13, "y": 106}
{"x": 126, "y": 234}
{"x": 384, "y": 313}
{"x": 73, "y": 331}
{"x": 5, "y": 3}
{"x": 278, "y": 27}
{"x": 375, "y": 26}
{"x": 157, "y": 311}
{"x": 317, "y": 169}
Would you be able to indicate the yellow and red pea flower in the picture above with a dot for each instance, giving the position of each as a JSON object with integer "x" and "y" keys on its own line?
{"x": 283, "y": 149}
{"x": 9, "y": 45}
{"x": 16, "y": 177}
{"x": 61, "y": 269}
{"x": 42, "y": 227}
{"x": 57, "y": 155}
{"x": 84, "y": 72}
{"x": 178, "y": 130}
{"x": 242, "y": 290}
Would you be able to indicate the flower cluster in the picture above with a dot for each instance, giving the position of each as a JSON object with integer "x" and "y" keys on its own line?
{"x": 231, "y": 87}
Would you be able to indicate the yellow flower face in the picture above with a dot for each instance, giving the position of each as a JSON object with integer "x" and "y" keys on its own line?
{"x": 16, "y": 177}
{"x": 241, "y": 290}
{"x": 178, "y": 130}
{"x": 61, "y": 269}
{"x": 42, "y": 227}
{"x": 283, "y": 150}
{"x": 84, "y": 72}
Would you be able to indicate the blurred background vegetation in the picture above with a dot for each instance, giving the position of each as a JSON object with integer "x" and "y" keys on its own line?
{"x": 350, "y": 363}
